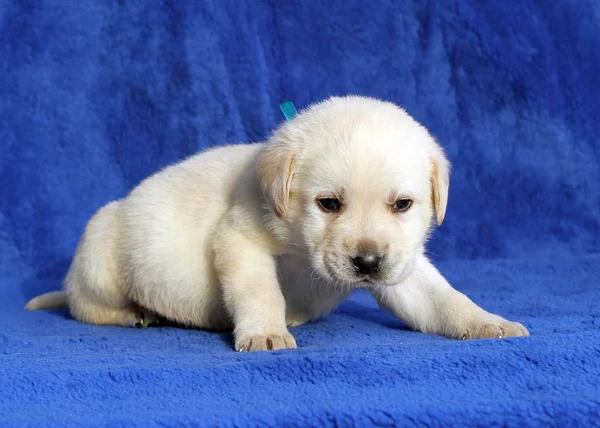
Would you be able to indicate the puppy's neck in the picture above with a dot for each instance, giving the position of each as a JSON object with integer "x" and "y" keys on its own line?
{"x": 283, "y": 232}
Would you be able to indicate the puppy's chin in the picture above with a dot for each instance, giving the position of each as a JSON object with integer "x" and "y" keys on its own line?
{"x": 357, "y": 282}
{"x": 379, "y": 282}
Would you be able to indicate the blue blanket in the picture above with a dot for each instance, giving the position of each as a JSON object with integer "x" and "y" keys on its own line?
{"x": 97, "y": 95}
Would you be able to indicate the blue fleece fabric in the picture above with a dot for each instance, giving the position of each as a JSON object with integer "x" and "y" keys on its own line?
{"x": 97, "y": 95}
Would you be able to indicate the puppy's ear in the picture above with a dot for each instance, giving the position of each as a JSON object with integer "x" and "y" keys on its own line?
{"x": 440, "y": 181}
{"x": 275, "y": 167}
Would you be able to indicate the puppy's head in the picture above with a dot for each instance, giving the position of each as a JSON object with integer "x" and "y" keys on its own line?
{"x": 355, "y": 182}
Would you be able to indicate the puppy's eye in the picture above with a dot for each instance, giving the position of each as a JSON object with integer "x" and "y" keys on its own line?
{"x": 329, "y": 204}
{"x": 402, "y": 205}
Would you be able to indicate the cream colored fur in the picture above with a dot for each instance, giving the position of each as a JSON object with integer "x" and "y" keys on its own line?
{"x": 235, "y": 237}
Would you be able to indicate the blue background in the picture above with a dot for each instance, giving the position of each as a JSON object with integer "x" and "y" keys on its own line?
{"x": 97, "y": 95}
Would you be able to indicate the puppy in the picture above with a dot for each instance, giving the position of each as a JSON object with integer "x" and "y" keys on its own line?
{"x": 259, "y": 237}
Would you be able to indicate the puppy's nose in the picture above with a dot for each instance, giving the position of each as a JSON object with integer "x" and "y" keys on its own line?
{"x": 367, "y": 264}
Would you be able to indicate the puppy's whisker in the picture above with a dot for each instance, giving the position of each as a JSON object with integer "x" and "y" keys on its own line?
{"x": 313, "y": 278}
{"x": 427, "y": 252}
{"x": 307, "y": 269}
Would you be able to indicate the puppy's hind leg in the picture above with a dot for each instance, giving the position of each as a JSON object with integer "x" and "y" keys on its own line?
{"x": 97, "y": 299}
{"x": 94, "y": 283}
{"x": 95, "y": 313}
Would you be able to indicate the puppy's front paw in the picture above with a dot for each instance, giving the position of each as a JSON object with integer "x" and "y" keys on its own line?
{"x": 265, "y": 342}
{"x": 494, "y": 327}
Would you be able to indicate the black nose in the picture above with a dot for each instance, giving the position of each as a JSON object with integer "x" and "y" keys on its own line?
{"x": 367, "y": 264}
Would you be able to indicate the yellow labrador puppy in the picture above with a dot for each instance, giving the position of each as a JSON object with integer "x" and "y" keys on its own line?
{"x": 264, "y": 236}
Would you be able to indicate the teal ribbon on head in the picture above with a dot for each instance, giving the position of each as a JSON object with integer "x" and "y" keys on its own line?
{"x": 288, "y": 109}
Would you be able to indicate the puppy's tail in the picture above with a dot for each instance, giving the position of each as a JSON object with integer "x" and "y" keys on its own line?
{"x": 52, "y": 300}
